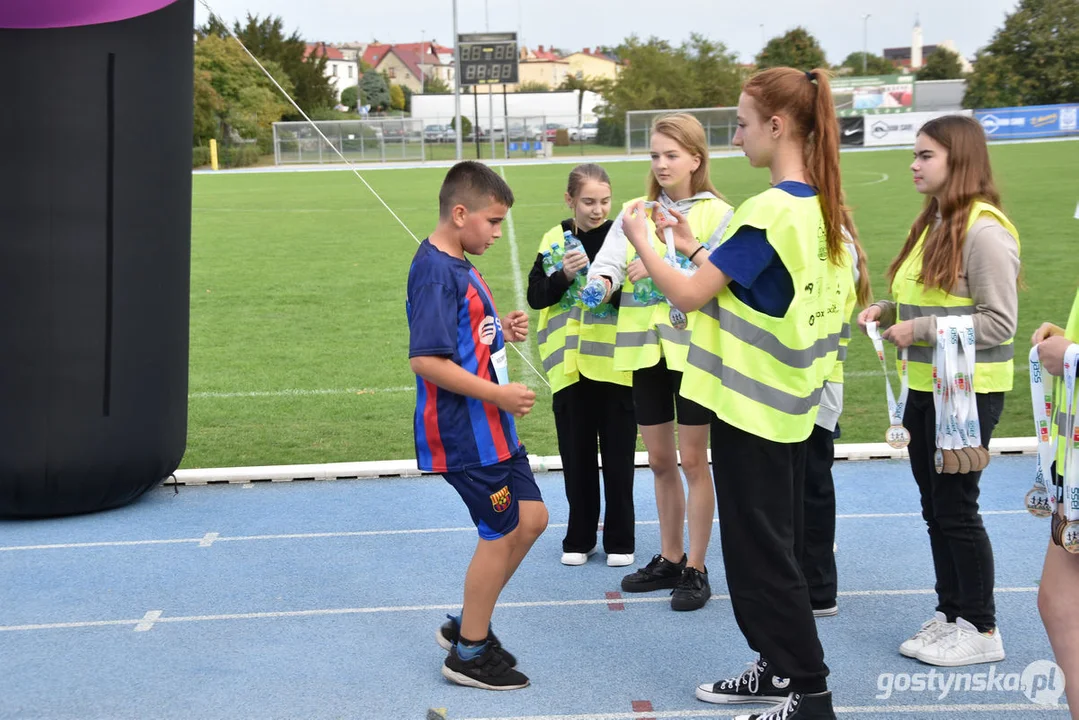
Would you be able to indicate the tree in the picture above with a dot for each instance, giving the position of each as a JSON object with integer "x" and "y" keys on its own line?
{"x": 699, "y": 73}
{"x": 397, "y": 97}
{"x": 533, "y": 86}
{"x": 349, "y": 97}
{"x": 1033, "y": 59}
{"x": 796, "y": 49}
{"x": 374, "y": 92}
{"x": 942, "y": 64}
{"x": 233, "y": 95}
{"x": 436, "y": 86}
{"x": 580, "y": 85}
{"x": 408, "y": 97}
{"x": 874, "y": 64}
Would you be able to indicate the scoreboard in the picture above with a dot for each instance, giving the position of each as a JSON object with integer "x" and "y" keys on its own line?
{"x": 487, "y": 58}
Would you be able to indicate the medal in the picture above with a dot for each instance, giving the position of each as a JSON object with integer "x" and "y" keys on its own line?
{"x": 938, "y": 461}
{"x": 1037, "y": 502}
{"x": 678, "y": 319}
{"x": 897, "y": 437}
{"x": 963, "y": 456}
{"x": 951, "y": 462}
{"x": 1069, "y": 536}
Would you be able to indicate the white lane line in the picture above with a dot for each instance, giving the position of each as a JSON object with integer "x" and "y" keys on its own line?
{"x": 154, "y": 619}
{"x": 841, "y": 710}
{"x": 148, "y": 620}
{"x": 211, "y": 538}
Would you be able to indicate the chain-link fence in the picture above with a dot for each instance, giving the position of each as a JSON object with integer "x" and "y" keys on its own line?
{"x": 379, "y": 140}
{"x": 719, "y": 126}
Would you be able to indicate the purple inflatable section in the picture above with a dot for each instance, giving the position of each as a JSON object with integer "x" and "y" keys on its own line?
{"x": 72, "y": 13}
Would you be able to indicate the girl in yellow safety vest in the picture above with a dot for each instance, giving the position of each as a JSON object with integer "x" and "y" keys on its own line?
{"x": 1059, "y": 585}
{"x": 652, "y": 342}
{"x": 960, "y": 258}
{"x": 591, "y": 399}
{"x": 771, "y": 298}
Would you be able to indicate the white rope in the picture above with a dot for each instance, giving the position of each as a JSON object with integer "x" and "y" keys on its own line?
{"x": 347, "y": 162}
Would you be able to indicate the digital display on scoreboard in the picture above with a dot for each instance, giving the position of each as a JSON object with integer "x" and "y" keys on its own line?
{"x": 487, "y": 58}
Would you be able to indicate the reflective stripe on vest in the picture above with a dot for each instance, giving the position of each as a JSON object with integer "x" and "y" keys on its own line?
{"x": 558, "y": 331}
{"x": 645, "y": 333}
{"x": 995, "y": 368}
{"x": 762, "y": 374}
{"x": 595, "y": 353}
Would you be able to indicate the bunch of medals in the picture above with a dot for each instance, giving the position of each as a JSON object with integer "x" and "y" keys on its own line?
{"x": 1064, "y": 507}
{"x": 959, "y": 440}
{"x": 897, "y": 436}
{"x": 672, "y": 258}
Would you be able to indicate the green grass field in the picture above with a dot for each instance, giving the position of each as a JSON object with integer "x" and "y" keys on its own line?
{"x": 298, "y": 332}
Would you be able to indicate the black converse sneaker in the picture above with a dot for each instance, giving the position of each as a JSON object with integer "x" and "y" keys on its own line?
{"x": 450, "y": 631}
{"x": 659, "y": 574}
{"x": 758, "y": 684}
{"x": 487, "y": 671}
{"x": 692, "y": 591}
{"x": 798, "y": 706}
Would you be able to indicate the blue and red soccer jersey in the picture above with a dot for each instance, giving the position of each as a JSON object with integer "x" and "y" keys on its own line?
{"x": 451, "y": 314}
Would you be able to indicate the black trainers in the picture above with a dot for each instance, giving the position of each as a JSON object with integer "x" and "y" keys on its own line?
{"x": 692, "y": 591}
{"x": 659, "y": 574}
{"x": 487, "y": 671}
{"x": 798, "y": 706}
{"x": 759, "y": 684}
{"x": 450, "y": 631}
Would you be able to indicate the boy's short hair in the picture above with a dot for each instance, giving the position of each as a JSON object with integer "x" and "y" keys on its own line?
{"x": 473, "y": 185}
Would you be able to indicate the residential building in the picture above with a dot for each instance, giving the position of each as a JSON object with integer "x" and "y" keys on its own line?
{"x": 341, "y": 71}
{"x": 913, "y": 57}
{"x": 588, "y": 63}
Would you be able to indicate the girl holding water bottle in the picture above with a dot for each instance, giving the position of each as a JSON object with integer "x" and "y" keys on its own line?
{"x": 652, "y": 342}
{"x": 591, "y": 399}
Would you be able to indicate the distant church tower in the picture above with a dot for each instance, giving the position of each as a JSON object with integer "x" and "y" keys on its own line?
{"x": 916, "y": 45}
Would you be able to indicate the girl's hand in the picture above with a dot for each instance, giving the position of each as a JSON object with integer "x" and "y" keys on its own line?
{"x": 635, "y": 227}
{"x": 901, "y": 334}
{"x": 870, "y": 314}
{"x": 636, "y": 270}
{"x": 1047, "y": 330}
{"x": 573, "y": 262}
{"x": 684, "y": 242}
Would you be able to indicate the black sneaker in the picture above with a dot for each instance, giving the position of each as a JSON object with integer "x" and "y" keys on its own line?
{"x": 659, "y": 574}
{"x": 450, "y": 631}
{"x": 692, "y": 591}
{"x": 759, "y": 684}
{"x": 487, "y": 671}
{"x": 798, "y": 706}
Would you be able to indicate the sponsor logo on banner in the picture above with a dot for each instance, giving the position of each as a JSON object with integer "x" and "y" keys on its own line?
{"x": 900, "y": 129}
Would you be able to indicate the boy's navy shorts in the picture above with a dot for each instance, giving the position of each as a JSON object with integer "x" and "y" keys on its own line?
{"x": 492, "y": 493}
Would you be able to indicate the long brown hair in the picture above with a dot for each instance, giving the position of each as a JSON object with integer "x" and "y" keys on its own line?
{"x": 688, "y": 132}
{"x": 805, "y": 98}
{"x": 970, "y": 178}
{"x": 863, "y": 290}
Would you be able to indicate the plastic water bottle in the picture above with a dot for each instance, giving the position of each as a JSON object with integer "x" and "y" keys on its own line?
{"x": 572, "y": 243}
{"x": 593, "y": 292}
{"x": 644, "y": 291}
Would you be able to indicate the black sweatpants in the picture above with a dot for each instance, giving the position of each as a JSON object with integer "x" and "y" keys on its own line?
{"x": 962, "y": 553}
{"x": 817, "y": 556}
{"x": 759, "y": 493}
{"x": 584, "y": 412}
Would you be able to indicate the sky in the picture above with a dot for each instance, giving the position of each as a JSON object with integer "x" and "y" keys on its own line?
{"x": 574, "y": 24}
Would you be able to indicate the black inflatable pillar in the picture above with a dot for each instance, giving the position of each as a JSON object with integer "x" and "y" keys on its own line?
{"x": 95, "y": 241}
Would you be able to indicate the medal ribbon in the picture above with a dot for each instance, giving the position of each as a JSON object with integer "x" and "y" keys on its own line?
{"x": 895, "y": 407}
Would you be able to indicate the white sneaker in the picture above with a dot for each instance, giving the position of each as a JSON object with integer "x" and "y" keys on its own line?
{"x": 619, "y": 559}
{"x": 964, "y": 645}
{"x": 930, "y": 632}
{"x": 577, "y": 558}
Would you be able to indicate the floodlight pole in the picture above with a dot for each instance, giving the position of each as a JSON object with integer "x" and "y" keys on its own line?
{"x": 865, "y": 43}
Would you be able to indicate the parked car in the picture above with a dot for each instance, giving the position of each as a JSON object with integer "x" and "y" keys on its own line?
{"x": 586, "y": 132}
{"x": 439, "y": 133}
{"x": 523, "y": 132}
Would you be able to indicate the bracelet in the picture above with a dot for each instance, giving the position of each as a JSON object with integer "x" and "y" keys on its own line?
{"x": 694, "y": 253}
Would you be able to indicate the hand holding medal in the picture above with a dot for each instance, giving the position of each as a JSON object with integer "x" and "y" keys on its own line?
{"x": 1066, "y": 520}
{"x": 896, "y": 436}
